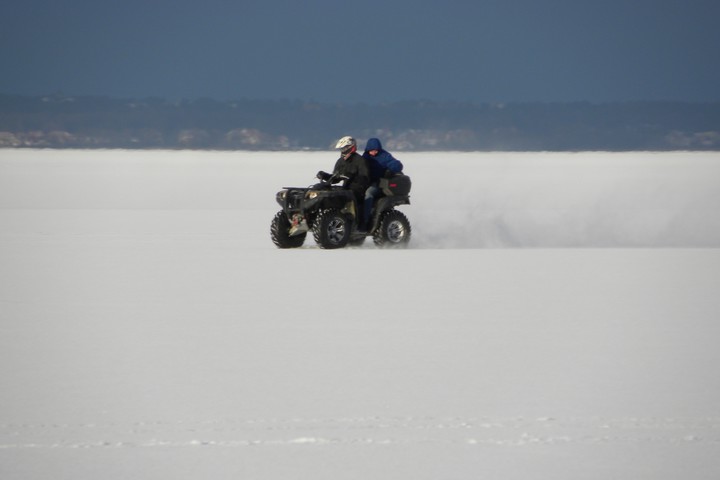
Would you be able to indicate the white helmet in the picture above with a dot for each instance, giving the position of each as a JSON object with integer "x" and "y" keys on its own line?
{"x": 346, "y": 144}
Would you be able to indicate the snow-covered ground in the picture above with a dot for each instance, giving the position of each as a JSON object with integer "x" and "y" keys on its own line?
{"x": 557, "y": 316}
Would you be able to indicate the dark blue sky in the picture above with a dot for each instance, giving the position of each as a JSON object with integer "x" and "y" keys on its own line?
{"x": 364, "y": 51}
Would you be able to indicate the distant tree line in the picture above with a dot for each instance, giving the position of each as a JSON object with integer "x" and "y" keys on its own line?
{"x": 59, "y": 121}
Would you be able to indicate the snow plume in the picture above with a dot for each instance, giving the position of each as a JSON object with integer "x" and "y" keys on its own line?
{"x": 560, "y": 200}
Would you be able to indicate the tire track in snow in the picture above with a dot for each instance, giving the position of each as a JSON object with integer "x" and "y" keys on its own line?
{"x": 316, "y": 432}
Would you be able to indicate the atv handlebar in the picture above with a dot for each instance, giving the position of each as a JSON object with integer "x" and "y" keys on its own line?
{"x": 330, "y": 178}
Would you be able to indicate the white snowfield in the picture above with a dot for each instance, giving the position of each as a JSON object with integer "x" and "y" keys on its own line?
{"x": 556, "y": 316}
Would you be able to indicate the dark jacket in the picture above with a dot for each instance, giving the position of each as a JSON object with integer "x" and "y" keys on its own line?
{"x": 381, "y": 163}
{"x": 355, "y": 167}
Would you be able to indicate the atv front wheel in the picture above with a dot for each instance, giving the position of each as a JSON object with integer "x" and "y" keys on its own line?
{"x": 280, "y": 232}
{"x": 331, "y": 229}
{"x": 394, "y": 230}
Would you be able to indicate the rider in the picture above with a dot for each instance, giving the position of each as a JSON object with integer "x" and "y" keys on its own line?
{"x": 382, "y": 165}
{"x": 353, "y": 166}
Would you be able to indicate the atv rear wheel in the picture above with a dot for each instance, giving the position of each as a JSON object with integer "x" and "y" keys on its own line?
{"x": 331, "y": 229}
{"x": 394, "y": 230}
{"x": 279, "y": 232}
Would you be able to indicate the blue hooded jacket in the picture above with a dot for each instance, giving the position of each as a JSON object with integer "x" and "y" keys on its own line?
{"x": 381, "y": 162}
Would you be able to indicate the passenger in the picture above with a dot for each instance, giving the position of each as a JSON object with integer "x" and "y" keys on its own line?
{"x": 382, "y": 165}
{"x": 353, "y": 166}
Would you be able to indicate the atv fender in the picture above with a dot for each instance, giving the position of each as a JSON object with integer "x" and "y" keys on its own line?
{"x": 384, "y": 204}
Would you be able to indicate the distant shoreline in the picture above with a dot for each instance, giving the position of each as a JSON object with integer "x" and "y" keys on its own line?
{"x": 87, "y": 122}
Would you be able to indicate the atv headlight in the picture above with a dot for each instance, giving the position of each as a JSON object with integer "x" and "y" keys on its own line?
{"x": 311, "y": 194}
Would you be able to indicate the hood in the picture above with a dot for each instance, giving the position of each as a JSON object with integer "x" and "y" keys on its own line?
{"x": 373, "y": 144}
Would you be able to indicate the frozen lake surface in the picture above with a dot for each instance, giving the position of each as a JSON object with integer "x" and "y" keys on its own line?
{"x": 555, "y": 317}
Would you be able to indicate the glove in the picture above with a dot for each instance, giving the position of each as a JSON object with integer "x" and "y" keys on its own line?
{"x": 388, "y": 173}
{"x": 322, "y": 175}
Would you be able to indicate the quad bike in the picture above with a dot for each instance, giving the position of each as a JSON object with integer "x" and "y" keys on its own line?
{"x": 330, "y": 212}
